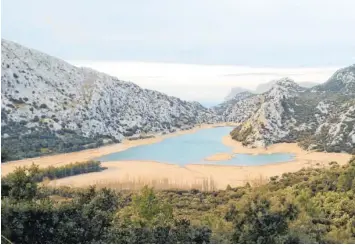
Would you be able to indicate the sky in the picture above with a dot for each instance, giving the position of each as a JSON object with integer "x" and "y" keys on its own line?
{"x": 209, "y": 45}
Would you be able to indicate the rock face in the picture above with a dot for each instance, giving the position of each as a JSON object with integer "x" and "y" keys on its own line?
{"x": 49, "y": 105}
{"x": 240, "y": 108}
{"x": 320, "y": 118}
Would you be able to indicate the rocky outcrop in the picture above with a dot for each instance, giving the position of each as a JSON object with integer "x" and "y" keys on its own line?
{"x": 240, "y": 108}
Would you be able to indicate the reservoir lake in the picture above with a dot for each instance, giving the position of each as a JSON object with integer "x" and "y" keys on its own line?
{"x": 193, "y": 149}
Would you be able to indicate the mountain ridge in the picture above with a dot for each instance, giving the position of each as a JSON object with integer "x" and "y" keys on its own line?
{"x": 74, "y": 108}
{"x": 50, "y": 106}
{"x": 264, "y": 87}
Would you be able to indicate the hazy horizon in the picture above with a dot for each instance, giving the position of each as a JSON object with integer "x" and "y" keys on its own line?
{"x": 207, "y": 84}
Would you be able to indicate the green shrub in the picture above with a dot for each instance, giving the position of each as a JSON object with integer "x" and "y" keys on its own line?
{"x": 308, "y": 206}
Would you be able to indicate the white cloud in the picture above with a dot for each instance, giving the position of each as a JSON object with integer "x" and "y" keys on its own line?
{"x": 204, "y": 83}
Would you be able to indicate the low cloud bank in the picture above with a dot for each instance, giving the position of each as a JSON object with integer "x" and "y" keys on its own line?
{"x": 208, "y": 84}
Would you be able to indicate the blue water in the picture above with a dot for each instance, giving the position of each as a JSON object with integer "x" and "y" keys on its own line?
{"x": 193, "y": 148}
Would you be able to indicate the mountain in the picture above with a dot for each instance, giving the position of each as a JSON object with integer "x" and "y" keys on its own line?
{"x": 50, "y": 106}
{"x": 341, "y": 82}
{"x": 262, "y": 88}
{"x": 319, "y": 118}
{"x": 240, "y": 108}
{"x": 244, "y": 104}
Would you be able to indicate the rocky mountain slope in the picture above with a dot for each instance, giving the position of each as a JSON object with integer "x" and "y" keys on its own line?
{"x": 320, "y": 118}
{"x": 49, "y": 106}
{"x": 262, "y": 88}
{"x": 240, "y": 108}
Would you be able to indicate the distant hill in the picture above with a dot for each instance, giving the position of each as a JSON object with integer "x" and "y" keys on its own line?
{"x": 262, "y": 88}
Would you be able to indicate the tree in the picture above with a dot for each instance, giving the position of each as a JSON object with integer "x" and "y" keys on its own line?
{"x": 4, "y": 155}
{"x": 147, "y": 210}
{"x": 254, "y": 222}
{"x": 19, "y": 185}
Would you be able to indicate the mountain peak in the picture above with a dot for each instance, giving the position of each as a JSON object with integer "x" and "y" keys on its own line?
{"x": 283, "y": 88}
{"x": 346, "y": 74}
{"x": 342, "y": 81}
{"x": 286, "y": 82}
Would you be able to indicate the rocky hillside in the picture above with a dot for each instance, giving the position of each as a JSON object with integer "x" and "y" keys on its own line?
{"x": 262, "y": 88}
{"x": 320, "y": 118}
{"x": 49, "y": 106}
{"x": 240, "y": 108}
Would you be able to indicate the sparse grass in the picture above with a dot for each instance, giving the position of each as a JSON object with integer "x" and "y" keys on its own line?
{"x": 258, "y": 181}
{"x": 129, "y": 183}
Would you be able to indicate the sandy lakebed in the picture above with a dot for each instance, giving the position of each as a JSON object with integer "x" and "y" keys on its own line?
{"x": 135, "y": 174}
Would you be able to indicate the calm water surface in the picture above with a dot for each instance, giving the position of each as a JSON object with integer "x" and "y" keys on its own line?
{"x": 193, "y": 148}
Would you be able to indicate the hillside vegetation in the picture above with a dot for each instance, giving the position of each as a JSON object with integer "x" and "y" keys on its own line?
{"x": 308, "y": 206}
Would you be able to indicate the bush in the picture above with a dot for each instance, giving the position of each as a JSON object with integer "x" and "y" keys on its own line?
{"x": 308, "y": 206}
{"x": 39, "y": 174}
{"x": 43, "y": 106}
{"x": 241, "y": 133}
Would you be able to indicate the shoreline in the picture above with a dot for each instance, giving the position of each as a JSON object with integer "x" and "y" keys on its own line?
{"x": 290, "y": 148}
{"x": 89, "y": 154}
{"x": 135, "y": 174}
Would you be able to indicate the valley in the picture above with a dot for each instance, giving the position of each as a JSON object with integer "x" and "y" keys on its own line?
{"x": 135, "y": 171}
{"x": 177, "y": 122}
{"x": 54, "y": 113}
